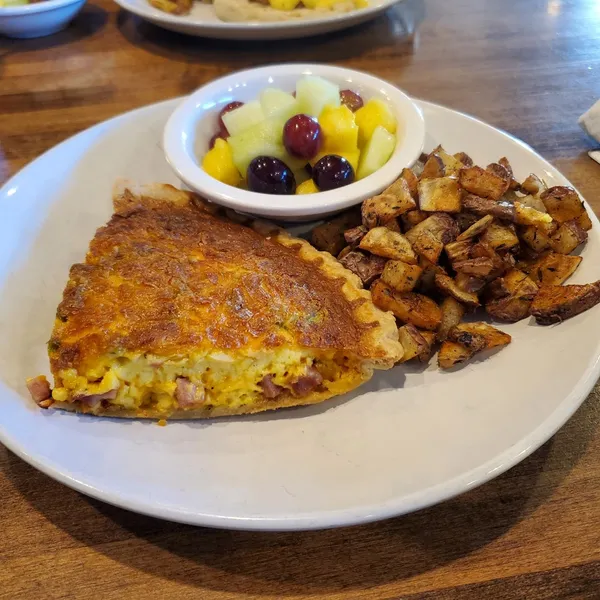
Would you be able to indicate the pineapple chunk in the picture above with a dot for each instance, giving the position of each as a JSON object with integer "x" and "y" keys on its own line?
{"x": 244, "y": 117}
{"x": 340, "y": 131}
{"x": 308, "y": 187}
{"x": 377, "y": 152}
{"x": 373, "y": 114}
{"x": 314, "y": 94}
{"x": 218, "y": 163}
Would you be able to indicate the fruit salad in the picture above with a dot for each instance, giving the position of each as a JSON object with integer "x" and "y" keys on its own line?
{"x": 315, "y": 139}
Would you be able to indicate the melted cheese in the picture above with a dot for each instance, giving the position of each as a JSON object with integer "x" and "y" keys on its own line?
{"x": 150, "y": 381}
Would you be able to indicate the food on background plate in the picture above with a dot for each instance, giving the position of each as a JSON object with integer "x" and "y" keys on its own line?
{"x": 264, "y": 10}
{"x": 178, "y": 311}
{"x": 448, "y": 238}
{"x": 319, "y": 138}
{"x": 9, "y": 3}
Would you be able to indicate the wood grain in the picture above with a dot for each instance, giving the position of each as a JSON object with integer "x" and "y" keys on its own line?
{"x": 530, "y": 67}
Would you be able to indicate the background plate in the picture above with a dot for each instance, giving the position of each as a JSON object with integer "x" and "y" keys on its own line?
{"x": 203, "y": 22}
{"x": 411, "y": 437}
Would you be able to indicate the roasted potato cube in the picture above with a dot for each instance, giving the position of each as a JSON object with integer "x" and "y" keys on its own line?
{"x": 536, "y": 239}
{"x": 512, "y": 296}
{"x": 426, "y": 245}
{"x": 408, "y": 307}
{"x": 344, "y": 252}
{"x": 476, "y": 229}
{"x": 354, "y": 235}
{"x": 478, "y": 336}
{"x": 476, "y": 267}
{"x": 525, "y": 215}
{"x": 519, "y": 283}
{"x": 500, "y": 237}
{"x": 452, "y": 354}
{"x": 412, "y": 218}
{"x": 464, "y": 158}
{"x": 584, "y": 221}
{"x": 533, "y": 202}
{"x": 459, "y": 250}
{"x": 451, "y": 164}
{"x": 426, "y": 282}
{"x": 429, "y": 337}
{"x": 499, "y": 170}
{"x": 429, "y": 237}
{"x": 482, "y": 250}
{"x": 400, "y": 275}
{"x": 563, "y": 203}
{"x": 412, "y": 341}
{"x": 555, "y": 303}
{"x": 447, "y": 285}
{"x": 393, "y": 225}
{"x": 509, "y": 309}
{"x": 391, "y": 203}
{"x": 485, "y": 206}
{"x": 440, "y": 195}
{"x": 367, "y": 267}
{"x": 552, "y": 268}
{"x": 506, "y": 164}
{"x": 434, "y": 167}
{"x": 568, "y": 236}
{"x": 330, "y": 235}
{"x": 533, "y": 185}
{"x": 388, "y": 243}
{"x": 412, "y": 181}
{"x": 464, "y": 220}
{"x": 452, "y": 314}
{"x": 483, "y": 183}
{"x": 468, "y": 283}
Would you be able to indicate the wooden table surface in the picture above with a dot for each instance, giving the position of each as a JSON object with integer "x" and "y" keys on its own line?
{"x": 530, "y": 67}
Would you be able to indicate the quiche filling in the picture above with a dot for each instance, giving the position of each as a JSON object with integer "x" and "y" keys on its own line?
{"x": 143, "y": 381}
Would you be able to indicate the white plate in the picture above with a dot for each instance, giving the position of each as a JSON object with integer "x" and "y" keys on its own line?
{"x": 410, "y": 438}
{"x": 202, "y": 22}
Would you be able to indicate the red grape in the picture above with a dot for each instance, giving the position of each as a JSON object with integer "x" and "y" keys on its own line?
{"x": 302, "y": 137}
{"x": 268, "y": 175}
{"x": 351, "y": 99}
{"x": 332, "y": 172}
{"x": 227, "y": 108}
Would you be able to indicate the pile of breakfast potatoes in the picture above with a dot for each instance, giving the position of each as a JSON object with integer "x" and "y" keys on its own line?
{"x": 448, "y": 238}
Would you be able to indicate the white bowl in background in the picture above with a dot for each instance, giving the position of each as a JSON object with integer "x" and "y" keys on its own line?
{"x": 190, "y": 127}
{"x": 39, "y": 19}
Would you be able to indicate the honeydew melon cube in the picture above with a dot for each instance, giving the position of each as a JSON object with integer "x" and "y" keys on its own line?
{"x": 314, "y": 94}
{"x": 262, "y": 139}
{"x": 244, "y": 117}
{"x": 274, "y": 102}
{"x": 377, "y": 152}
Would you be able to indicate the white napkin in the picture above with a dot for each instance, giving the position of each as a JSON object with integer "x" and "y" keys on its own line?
{"x": 590, "y": 123}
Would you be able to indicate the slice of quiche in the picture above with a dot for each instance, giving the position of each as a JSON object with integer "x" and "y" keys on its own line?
{"x": 181, "y": 312}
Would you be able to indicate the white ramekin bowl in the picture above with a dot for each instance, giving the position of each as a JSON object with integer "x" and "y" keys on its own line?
{"x": 39, "y": 19}
{"x": 193, "y": 123}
